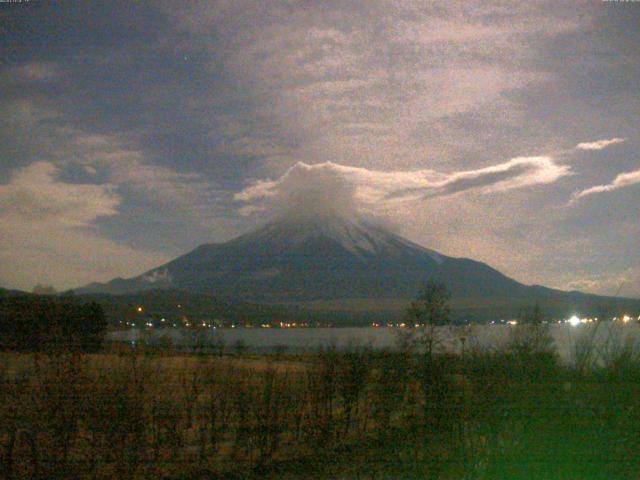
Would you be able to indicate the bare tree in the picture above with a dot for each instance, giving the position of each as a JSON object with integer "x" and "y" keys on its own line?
{"x": 429, "y": 311}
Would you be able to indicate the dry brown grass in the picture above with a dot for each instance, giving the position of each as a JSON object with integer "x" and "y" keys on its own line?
{"x": 358, "y": 414}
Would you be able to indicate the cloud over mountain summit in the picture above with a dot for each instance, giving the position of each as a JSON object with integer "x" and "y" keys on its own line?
{"x": 332, "y": 188}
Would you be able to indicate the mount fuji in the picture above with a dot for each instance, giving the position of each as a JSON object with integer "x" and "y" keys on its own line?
{"x": 336, "y": 261}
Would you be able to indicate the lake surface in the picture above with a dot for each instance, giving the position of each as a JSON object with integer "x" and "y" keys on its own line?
{"x": 608, "y": 335}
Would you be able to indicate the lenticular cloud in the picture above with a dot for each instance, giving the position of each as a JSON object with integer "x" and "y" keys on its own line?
{"x": 622, "y": 180}
{"x": 330, "y": 188}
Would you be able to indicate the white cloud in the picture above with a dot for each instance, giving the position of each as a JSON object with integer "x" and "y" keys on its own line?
{"x": 516, "y": 173}
{"x": 49, "y": 234}
{"x": 52, "y": 230}
{"x": 623, "y": 284}
{"x": 599, "y": 144}
{"x": 34, "y": 194}
{"x": 339, "y": 189}
{"x": 622, "y": 180}
{"x": 127, "y": 167}
{"x": 116, "y": 159}
{"x": 51, "y": 253}
{"x": 316, "y": 75}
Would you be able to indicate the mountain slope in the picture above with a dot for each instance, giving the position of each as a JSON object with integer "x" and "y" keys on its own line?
{"x": 322, "y": 259}
{"x": 331, "y": 259}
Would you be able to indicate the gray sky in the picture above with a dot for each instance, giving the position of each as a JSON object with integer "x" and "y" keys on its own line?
{"x": 131, "y": 132}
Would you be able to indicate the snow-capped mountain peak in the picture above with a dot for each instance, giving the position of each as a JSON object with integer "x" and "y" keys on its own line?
{"x": 331, "y": 258}
{"x": 326, "y": 256}
{"x": 357, "y": 236}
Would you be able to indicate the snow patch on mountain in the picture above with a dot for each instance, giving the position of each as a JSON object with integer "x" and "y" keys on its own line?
{"x": 161, "y": 275}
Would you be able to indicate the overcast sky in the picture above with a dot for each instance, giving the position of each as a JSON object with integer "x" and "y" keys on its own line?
{"x": 131, "y": 132}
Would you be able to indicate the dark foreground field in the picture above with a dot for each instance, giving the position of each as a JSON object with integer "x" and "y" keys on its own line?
{"x": 509, "y": 414}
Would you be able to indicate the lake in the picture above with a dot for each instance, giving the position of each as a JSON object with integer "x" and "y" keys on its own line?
{"x": 608, "y": 335}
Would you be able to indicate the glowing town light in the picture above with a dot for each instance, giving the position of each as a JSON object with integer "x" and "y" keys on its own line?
{"x": 574, "y": 321}
{"x": 139, "y": 309}
{"x": 512, "y": 322}
{"x": 626, "y": 318}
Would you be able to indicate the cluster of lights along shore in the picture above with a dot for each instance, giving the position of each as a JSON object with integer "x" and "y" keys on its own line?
{"x": 156, "y": 321}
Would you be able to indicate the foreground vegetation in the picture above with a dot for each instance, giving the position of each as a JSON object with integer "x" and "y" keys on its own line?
{"x": 407, "y": 413}
{"x": 71, "y": 408}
